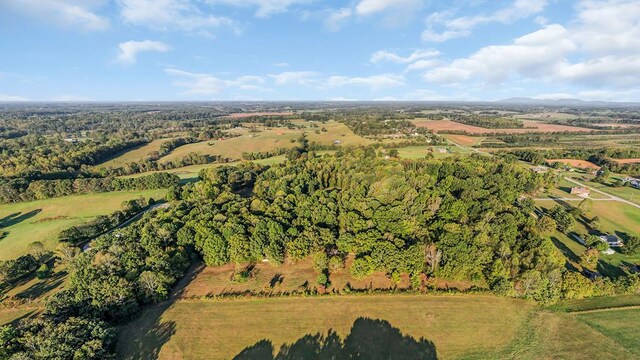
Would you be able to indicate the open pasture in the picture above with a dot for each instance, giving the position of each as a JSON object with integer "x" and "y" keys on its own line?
{"x": 133, "y": 155}
{"x": 43, "y": 220}
{"x": 269, "y": 139}
{"x": 451, "y": 325}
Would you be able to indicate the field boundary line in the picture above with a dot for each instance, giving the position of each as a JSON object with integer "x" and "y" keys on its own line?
{"x": 613, "y": 308}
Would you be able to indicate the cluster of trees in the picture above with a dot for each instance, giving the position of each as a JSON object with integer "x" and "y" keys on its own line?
{"x": 80, "y": 234}
{"x": 452, "y": 219}
{"x": 15, "y": 191}
{"x": 30, "y": 154}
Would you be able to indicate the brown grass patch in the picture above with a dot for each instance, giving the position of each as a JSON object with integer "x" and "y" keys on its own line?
{"x": 464, "y": 140}
{"x": 529, "y": 126}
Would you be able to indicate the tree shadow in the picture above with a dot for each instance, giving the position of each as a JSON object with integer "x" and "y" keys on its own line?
{"x": 564, "y": 249}
{"x": 371, "y": 339}
{"x": 277, "y": 279}
{"x": 609, "y": 270}
{"x": 17, "y": 218}
{"x": 15, "y": 322}
{"x": 151, "y": 333}
{"x": 43, "y": 286}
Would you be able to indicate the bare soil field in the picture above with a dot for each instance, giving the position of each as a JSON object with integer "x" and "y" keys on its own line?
{"x": 627, "y": 161}
{"x": 245, "y": 115}
{"x": 464, "y": 140}
{"x": 529, "y": 126}
{"x": 583, "y": 164}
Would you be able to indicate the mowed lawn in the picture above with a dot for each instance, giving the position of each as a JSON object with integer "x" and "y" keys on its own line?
{"x": 620, "y": 325}
{"x": 270, "y": 139}
{"x": 43, "y": 220}
{"x": 200, "y": 329}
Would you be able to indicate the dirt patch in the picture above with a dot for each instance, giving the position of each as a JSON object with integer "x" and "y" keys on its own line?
{"x": 529, "y": 126}
{"x": 54, "y": 218}
{"x": 464, "y": 140}
{"x": 627, "y": 161}
{"x": 582, "y": 164}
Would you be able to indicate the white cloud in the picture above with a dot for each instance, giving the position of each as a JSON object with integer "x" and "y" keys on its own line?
{"x": 532, "y": 55}
{"x": 266, "y": 8}
{"x": 370, "y": 7}
{"x": 375, "y": 82}
{"x": 423, "y": 65}
{"x": 171, "y": 14}
{"x": 295, "y": 77}
{"x": 67, "y": 13}
{"x": 462, "y": 26}
{"x": 336, "y": 18}
{"x": 129, "y": 50}
{"x": 600, "y": 48}
{"x": 7, "y": 98}
{"x": 384, "y": 55}
{"x": 207, "y": 84}
{"x": 70, "y": 98}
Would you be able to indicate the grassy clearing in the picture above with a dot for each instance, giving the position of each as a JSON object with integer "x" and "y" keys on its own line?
{"x": 457, "y": 325}
{"x": 620, "y": 325}
{"x": 43, "y": 220}
{"x": 133, "y": 155}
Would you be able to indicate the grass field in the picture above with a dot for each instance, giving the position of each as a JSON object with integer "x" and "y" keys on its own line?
{"x": 43, "y": 220}
{"x": 134, "y": 155}
{"x": 270, "y": 139}
{"x": 620, "y": 325}
{"x": 456, "y": 325}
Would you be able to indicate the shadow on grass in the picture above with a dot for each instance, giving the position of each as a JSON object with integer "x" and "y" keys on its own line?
{"x": 17, "y": 218}
{"x": 43, "y": 286}
{"x": 371, "y": 339}
{"x": 609, "y": 270}
{"x": 564, "y": 249}
{"x": 151, "y": 333}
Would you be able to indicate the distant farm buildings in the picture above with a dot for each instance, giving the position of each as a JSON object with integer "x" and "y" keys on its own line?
{"x": 580, "y": 191}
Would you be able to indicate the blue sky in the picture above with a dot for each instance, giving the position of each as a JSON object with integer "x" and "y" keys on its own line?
{"x": 131, "y": 50}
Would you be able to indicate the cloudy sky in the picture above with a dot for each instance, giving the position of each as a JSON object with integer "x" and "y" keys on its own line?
{"x": 319, "y": 49}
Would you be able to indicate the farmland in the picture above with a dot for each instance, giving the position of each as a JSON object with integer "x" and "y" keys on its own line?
{"x": 44, "y": 219}
{"x": 529, "y": 126}
{"x": 269, "y": 139}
